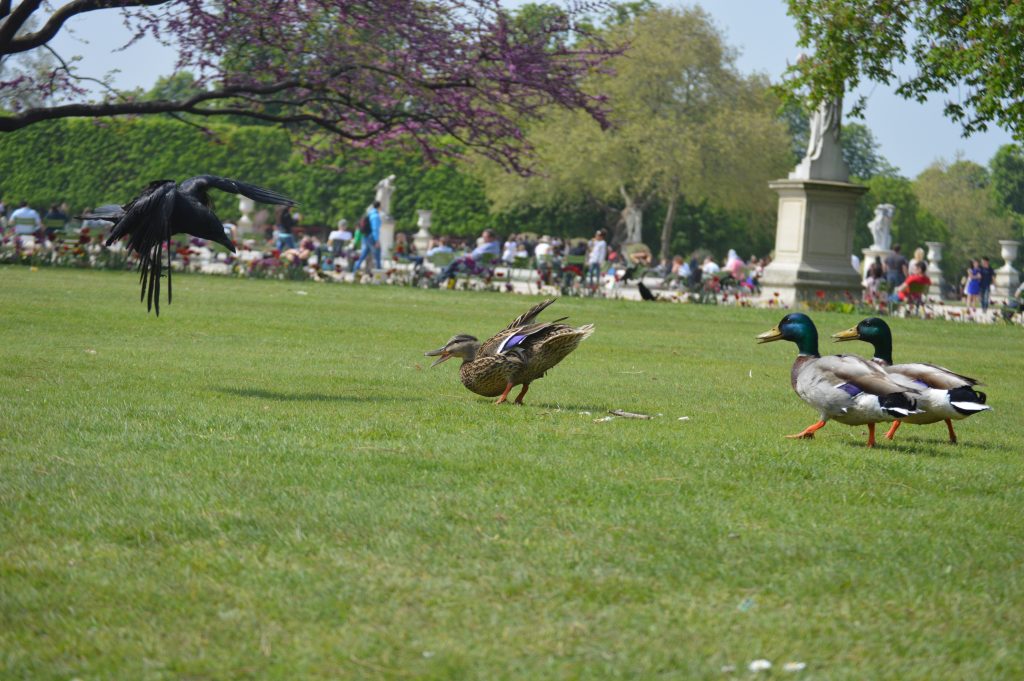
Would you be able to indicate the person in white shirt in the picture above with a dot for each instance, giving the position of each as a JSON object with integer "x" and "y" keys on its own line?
{"x": 710, "y": 267}
{"x": 597, "y": 254}
{"x": 339, "y": 238}
{"x": 508, "y": 251}
{"x": 543, "y": 248}
{"x": 26, "y": 211}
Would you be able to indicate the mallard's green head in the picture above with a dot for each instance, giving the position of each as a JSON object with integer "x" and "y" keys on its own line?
{"x": 871, "y": 330}
{"x": 462, "y": 345}
{"x": 797, "y": 328}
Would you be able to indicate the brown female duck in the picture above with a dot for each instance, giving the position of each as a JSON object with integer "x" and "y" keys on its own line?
{"x": 517, "y": 355}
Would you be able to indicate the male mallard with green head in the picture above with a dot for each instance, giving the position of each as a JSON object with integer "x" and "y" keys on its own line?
{"x": 517, "y": 355}
{"x": 844, "y": 388}
{"x": 945, "y": 395}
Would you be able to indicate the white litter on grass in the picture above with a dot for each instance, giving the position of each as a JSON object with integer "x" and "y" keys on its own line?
{"x": 760, "y": 666}
{"x": 301, "y": 293}
{"x": 684, "y": 418}
{"x": 794, "y": 666}
{"x": 629, "y": 414}
{"x": 602, "y": 420}
{"x": 90, "y": 352}
{"x": 584, "y": 413}
{"x": 750, "y": 374}
{"x": 428, "y": 654}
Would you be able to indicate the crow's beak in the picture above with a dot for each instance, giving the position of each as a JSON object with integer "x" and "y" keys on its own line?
{"x": 848, "y": 335}
{"x": 444, "y": 355}
{"x": 773, "y": 334}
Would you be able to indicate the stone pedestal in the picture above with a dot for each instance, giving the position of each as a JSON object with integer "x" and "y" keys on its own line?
{"x": 813, "y": 242}
{"x": 1007, "y": 278}
{"x": 387, "y": 236}
{"x": 869, "y": 258}
{"x": 934, "y": 271}
{"x": 421, "y": 240}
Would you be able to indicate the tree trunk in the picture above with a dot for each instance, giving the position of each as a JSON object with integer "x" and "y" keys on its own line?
{"x": 666, "y": 231}
{"x": 632, "y": 218}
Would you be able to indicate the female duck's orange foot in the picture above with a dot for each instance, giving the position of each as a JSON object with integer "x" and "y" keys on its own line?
{"x": 808, "y": 432}
{"x": 519, "y": 398}
{"x": 504, "y": 395}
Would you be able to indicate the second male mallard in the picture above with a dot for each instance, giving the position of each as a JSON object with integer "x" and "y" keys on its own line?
{"x": 843, "y": 388}
{"x": 517, "y": 355}
{"x": 945, "y": 395}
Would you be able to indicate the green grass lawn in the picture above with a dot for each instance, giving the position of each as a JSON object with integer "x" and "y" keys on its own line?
{"x": 268, "y": 482}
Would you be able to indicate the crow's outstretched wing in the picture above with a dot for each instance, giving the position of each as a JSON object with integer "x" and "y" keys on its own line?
{"x": 198, "y": 186}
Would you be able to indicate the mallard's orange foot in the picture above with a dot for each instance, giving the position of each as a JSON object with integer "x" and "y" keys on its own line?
{"x": 519, "y": 397}
{"x": 808, "y": 432}
{"x": 892, "y": 430}
{"x": 504, "y": 395}
{"x": 952, "y": 433}
{"x": 871, "y": 435}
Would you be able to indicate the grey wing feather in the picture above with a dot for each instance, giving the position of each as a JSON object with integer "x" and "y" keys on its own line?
{"x": 867, "y": 376}
{"x": 935, "y": 376}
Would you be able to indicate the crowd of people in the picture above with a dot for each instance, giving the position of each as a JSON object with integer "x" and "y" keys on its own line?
{"x": 899, "y": 280}
{"x": 583, "y": 263}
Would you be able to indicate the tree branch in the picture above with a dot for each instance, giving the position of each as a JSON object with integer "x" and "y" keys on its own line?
{"x": 11, "y": 45}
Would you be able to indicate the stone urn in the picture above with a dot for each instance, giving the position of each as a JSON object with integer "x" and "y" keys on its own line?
{"x": 934, "y": 271}
{"x": 245, "y": 206}
{"x": 421, "y": 239}
{"x": 1007, "y": 278}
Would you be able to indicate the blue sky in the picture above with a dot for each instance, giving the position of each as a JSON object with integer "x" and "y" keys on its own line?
{"x": 911, "y": 135}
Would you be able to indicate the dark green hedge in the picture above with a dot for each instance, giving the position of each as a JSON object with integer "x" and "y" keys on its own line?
{"x": 89, "y": 163}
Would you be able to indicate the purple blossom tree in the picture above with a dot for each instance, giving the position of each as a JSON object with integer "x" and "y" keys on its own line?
{"x": 445, "y": 75}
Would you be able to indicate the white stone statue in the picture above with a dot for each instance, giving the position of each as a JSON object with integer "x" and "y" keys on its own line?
{"x": 385, "y": 189}
{"x": 881, "y": 226}
{"x": 824, "y": 125}
{"x": 824, "y": 157}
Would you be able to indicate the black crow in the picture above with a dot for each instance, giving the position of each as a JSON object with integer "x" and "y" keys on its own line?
{"x": 165, "y": 208}
{"x": 645, "y": 292}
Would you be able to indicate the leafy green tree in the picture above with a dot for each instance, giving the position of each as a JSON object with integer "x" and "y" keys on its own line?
{"x": 912, "y": 225}
{"x": 861, "y": 152}
{"x": 959, "y": 195}
{"x": 686, "y": 126}
{"x": 970, "y": 51}
{"x": 1007, "y": 168}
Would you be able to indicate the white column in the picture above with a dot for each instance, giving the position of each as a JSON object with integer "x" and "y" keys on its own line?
{"x": 934, "y": 271}
{"x": 1007, "y": 278}
{"x": 246, "y": 206}
{"x": 422, "y": 238}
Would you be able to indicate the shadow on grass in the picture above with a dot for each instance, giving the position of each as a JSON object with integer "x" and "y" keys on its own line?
{"x": 939, "y": 447}
{"x": 278, "y": 396}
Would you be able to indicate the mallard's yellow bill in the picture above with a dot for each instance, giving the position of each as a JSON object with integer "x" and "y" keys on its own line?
{"x": 848, "y": 335}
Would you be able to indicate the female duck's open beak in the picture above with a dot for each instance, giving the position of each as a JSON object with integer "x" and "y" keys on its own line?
{"x": 444, "y": 355}
{"x": 773, "y": 334}
{"x": 848, "y": 335}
